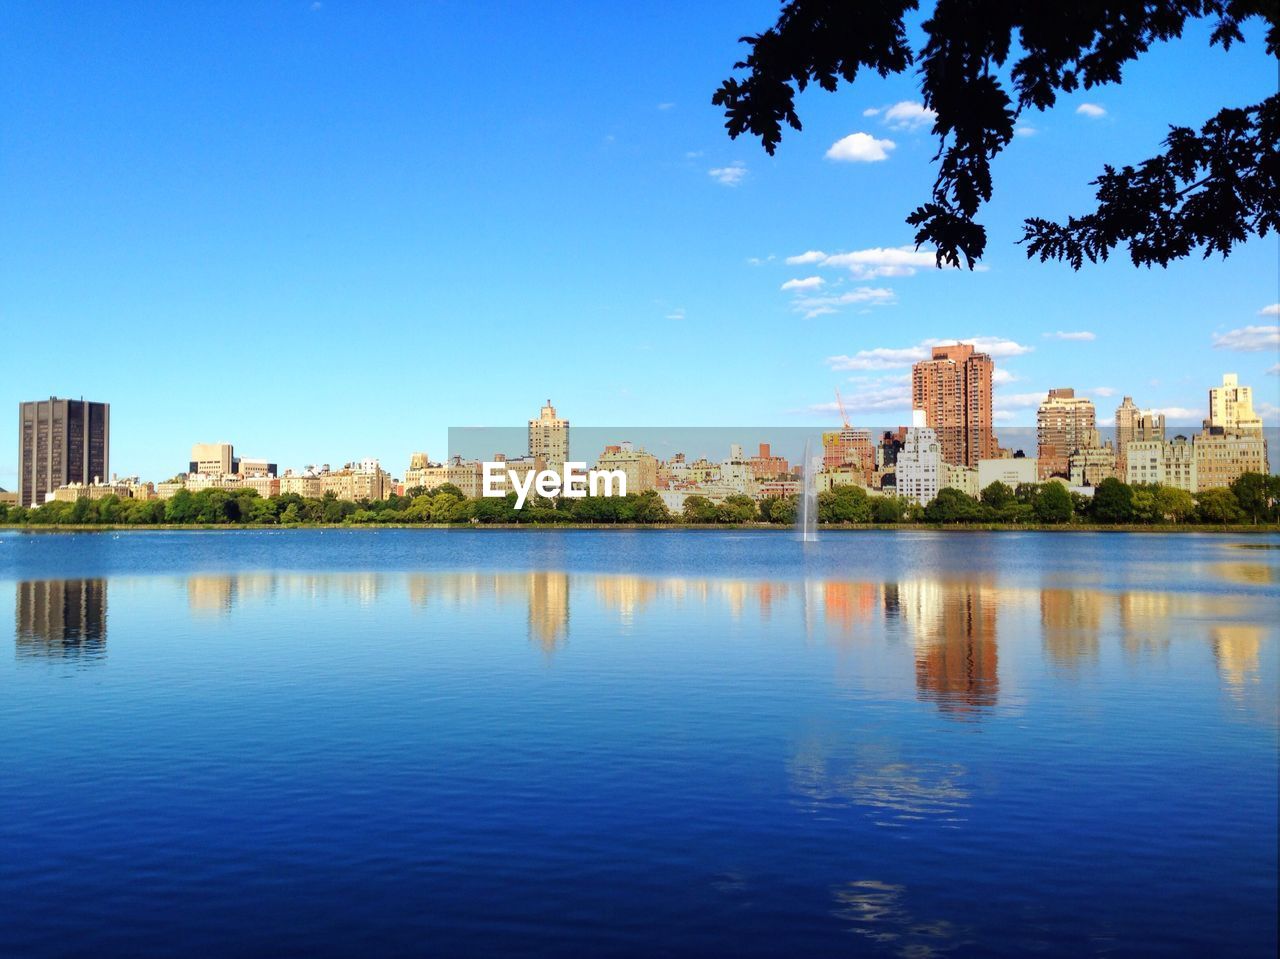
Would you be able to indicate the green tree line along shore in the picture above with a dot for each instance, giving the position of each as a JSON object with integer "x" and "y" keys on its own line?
{"x": 1252, "y": 499}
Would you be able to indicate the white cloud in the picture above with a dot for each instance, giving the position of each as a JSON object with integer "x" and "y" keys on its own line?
{"x": 887, "y": 397}
{"x": 1083, "y": 336}
{"x": 761, "y": 260}
{"x": 1025, "y": 130}
{"x": 1249, "y": 339}
{"x": 1003, "y": 375}
{"x": 871, "y": 112}
{"x": 665, "y": 106}
{"x": 1102, "y": 391}
{"x": 883, "y": 261}
{"x": 870, "y": 263}
{"x": 1018, "y": 401}
{"x": 676, "y": 314}
{"x": 808, "y": 283}
{"x": 812, "y": 306}
{"x": 730, "y": 175}
{"x": 1275, "y": 370}
{"x": 860, "y": 148}
{"x": 1272, "y": 310}
{"x": 909, "y": 115}
{"x": 880, "y": 358}
{"x": 1091, "y": 110}
{"x": 694, "y": 154}
{"x": 998, "y": 347}
{"x": 811, "y": 256}
{"x": 888, "y": 358}
{"x": 1180, "y": 414}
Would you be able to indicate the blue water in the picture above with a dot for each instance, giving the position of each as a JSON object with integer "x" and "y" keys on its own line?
{"x": 638, "y": 743}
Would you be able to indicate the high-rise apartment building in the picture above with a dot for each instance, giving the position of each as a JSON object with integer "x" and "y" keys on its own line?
{"x": 1064, "y": 423}
{"x": 61, "y": 442}
{"x": 953, "y": 389}
{"x": 549, "y": 438}
{"x": 1231, "y": 408}
{"x": 640, "y": 467}
{"x": 1134, "y": 425}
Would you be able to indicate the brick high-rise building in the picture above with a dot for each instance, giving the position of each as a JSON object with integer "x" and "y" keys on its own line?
{"x": 1064, "y": 423}
{"x": 61, "y": 442}
{"x": 953, "y": 388}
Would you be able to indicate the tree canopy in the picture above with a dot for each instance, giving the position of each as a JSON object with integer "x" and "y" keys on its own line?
{"x": 985, "y": 62}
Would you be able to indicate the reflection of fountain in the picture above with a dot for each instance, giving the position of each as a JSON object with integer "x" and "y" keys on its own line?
{"x": 807, "y": 514}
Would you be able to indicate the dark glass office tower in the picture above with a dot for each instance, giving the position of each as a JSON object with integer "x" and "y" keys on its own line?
{"x": 61, "y": 442}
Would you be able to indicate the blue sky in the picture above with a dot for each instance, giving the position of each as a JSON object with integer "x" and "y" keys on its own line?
{"x": 325, "y": 232}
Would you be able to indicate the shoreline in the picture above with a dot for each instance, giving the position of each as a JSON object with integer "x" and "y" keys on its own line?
{"x": 1234, "y": 529}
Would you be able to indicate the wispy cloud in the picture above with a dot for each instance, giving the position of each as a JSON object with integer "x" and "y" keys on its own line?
{"x": 812, "y": 306}
{"x": 731, "y": 175}
{"x": 1103, "y": 391}
{"x": 860, "y": 148}
{"x": 1174, "y": 414}
{"x": 909, "y": 115}
{"x": 676, "y": 314}
{"x": 1275, "y": 370}
{"x": 878, "y": 358}
{"x": 1249, "y": 339}
{"x": 893, "y": 396}
{"x": 665, "y": 106}
{"x": 1025, "y": 130}
{"x": 997, "y": 346}
{"x": 761, "y": 260}
{"x": 889, "y": 358}
{"x": 870, "y": 263}
{"x": 1018, "y": 401}
{"x": 1091, "y": 110}
{"x": 1272, "y": 310}
{"x": 1083, "y": 336}
{"x": 808, "y": 283}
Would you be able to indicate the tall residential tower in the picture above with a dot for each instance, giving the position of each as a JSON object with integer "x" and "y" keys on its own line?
{"x": 953, "y": 389}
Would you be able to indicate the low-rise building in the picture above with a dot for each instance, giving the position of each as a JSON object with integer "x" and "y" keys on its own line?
{"x": 91, "y": 491}
{"x": 1091, "y": 465}
{"x": 1222, "y": 456}
{"x": 1010, "y": 470}
{"x": 963, "y": 478}
{"x": 640, "y": 467}
{"x": 365, "y": 480}
{"x": 307, "y": 484}
{"x": 464, "y": 474}
{"x": 1166, "y": 463}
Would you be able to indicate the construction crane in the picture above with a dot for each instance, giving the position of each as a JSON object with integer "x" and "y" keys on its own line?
{"x": 843, "y": 415}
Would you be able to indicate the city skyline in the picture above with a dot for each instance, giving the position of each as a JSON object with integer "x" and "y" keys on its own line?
{"x": 252, "y": 250}
{"x": 951, "y": 443}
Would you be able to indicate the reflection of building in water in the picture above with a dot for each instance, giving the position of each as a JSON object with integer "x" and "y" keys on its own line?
{"x": 1144, "y": 622}
{"x": 1070, "y": 621}
{"x": 845, "y": 604}
{"x": 626, "y": 594}
{"x": 61, "y": 617}
{"x": 1235, "y": 648}
{"x": 955, "y": 635}
{"x": 210, "y": 594}
{"x": 548, "y": 609}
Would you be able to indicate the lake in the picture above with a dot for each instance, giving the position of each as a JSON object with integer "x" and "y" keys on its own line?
{"x": 638, "y": 743}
